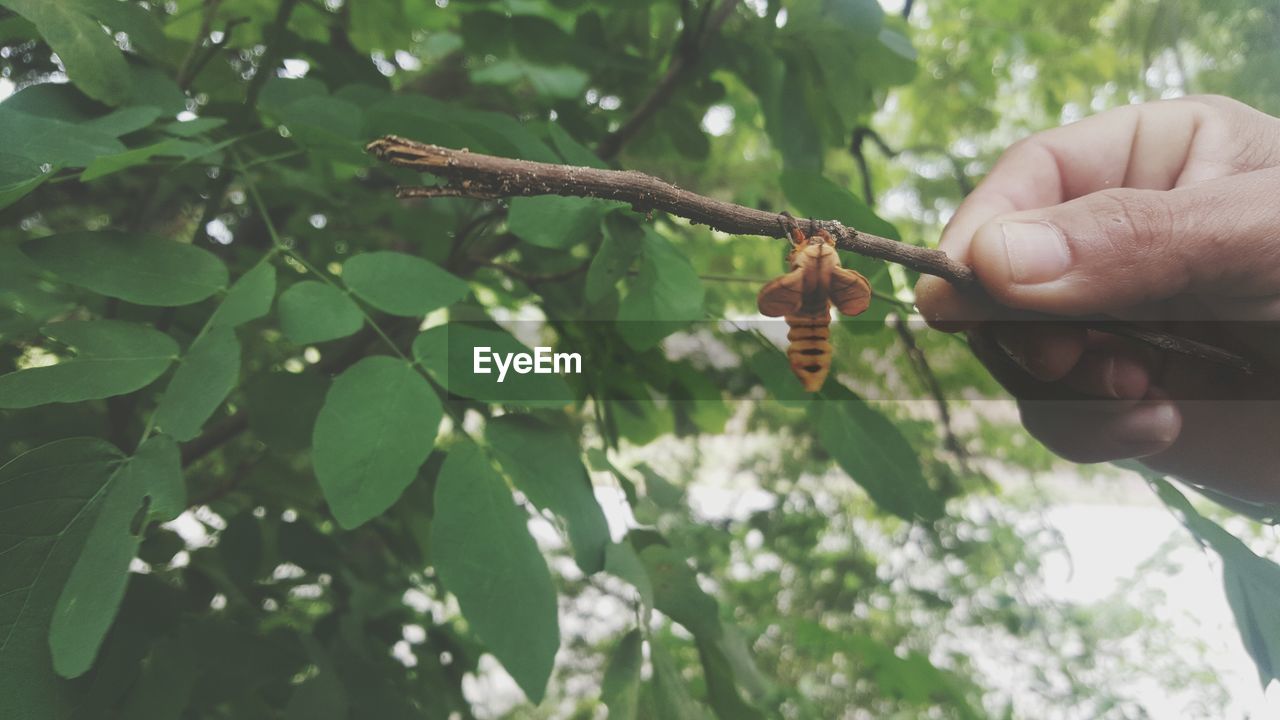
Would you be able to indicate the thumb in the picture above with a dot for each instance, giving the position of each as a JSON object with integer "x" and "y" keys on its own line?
{"x": 1118, "y": 248}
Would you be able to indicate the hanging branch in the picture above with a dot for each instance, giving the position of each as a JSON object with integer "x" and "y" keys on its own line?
{"x": 685, "y": 56}
{"x": 487, "y": 177}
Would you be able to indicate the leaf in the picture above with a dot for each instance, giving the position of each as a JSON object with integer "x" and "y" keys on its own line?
{"x": 91, "y": 57}
{"x": 170, "y": 147}
{"x": 1252, "y": 582}
{"x": 448, "y": 353}
{"x": 47, "y": 506}
{"x": 544, "y": 462}
{"x": 248, "y": 299}
{"x": 816, "y": 196}
{"x": 871, "y": 449}
{"x": 52, "y": 141}
{"x": 205, "y": 376}
{"x": 401, "y": 284}
{"x": 623, "y": 242}
{"x": 134, "y": 268}
{"x": 113, "y": 358}
{"x": 125, "y": 120}
{"x": 570, "y": 150}
{"x": 12, "y": 192}
{"x": 164, "y": 480}
{"x": 676, "y": 592}
{"x": 283, "y": 406}
{"x": 665, "y": 296}
{"x": 376, "y": 428}
{"x": 555, "y": 222}
{"x": 485, "y": 556}
{"x": 621, "y": 561}
{"x": 669, "y": 691}
{"x": 620, "y": 689}
{"x": 560, "y": 81}
{"x": 312, "y": 311}
{"x": 91, "y": 597}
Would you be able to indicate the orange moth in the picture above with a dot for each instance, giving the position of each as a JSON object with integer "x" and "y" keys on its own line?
{"x": 804, "y": 297}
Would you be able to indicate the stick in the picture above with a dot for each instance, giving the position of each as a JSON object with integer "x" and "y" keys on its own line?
{"x": 476, "y": 175}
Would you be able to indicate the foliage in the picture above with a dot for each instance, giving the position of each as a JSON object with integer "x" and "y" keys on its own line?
{"x": 247, "y": 477}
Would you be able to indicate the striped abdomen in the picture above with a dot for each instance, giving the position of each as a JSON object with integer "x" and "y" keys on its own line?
{"x": 810, "y": 348}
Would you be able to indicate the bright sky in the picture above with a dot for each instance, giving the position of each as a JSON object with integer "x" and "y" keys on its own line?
{"x": 1107, "y": 543}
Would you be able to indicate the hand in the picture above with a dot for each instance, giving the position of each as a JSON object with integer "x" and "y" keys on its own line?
{"x": 1163, "y": 212}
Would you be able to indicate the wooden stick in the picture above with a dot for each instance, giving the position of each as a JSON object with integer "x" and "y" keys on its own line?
{"x": 476, "y": 175}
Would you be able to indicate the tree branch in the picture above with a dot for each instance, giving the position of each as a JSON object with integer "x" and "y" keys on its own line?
{"x": 685, "y": 56}
{"x": 468, "y": 174}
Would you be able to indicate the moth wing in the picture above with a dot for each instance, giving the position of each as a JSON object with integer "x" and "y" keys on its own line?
{"x": 782, "y": 295}
{"x": 850, "y": 291}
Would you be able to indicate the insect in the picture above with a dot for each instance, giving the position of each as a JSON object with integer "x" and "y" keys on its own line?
{"x": 804, "y": 297}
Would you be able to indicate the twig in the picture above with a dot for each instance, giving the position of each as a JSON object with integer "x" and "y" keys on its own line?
{"x": 471, "y": 174}
{"x": 863, "y": 133}
{"x": 685, "y": 56}
{"x": 921, "y": 364}
{"x": 273, "y": 36}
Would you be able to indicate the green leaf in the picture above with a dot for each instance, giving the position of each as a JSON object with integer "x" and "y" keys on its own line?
{"x": 815, "y": 196}
{"x": 401, "y": 284}
{"x": 12, "y": 192}
{"x": 623, "y": 242}
{"x": 485, "y": 556}
{"x": 377, "y": 426}
{"x": 869, "y": 447}
{"x": 165, "y": 485}
{"x": 170, "y": 147}
{"x": 134, "y": 268}
{"x": 555, "y": 222}
{"x": 544, "y": 462}
{"x": 283, "y": 406}
{"x": 205, "y": 376}
{"x": 52, "y": 141}
{"x": 125, "y": 120}
{"x": 91, "y": 597}
{"x": 112, "y": 358}
{"x": 620, "y": 689}
{"x": 621, "y": 561}
{"x": 560, "y": 81}
{"x": 191, "y": 128}
{"x": 676, "y": 592}
{"x": 142, "y": 27}
{"x": 248, "y": 299}
{"x": 668, "y": 690}
{"x": 91, "y": 57}
{"x": 1252, "y": 583}
{"x": 329, "y": 125}
{"x": 448, "y": 353}
{"x": 311, "y": 312}
{"x": 666, "y": 295}
{"x": 48, "y": 503}
{"x": 570, "y": 150}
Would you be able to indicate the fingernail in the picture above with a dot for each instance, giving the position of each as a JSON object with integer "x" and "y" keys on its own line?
{"x": 1154, "y": 425}
{"x": 1037, "y": 251}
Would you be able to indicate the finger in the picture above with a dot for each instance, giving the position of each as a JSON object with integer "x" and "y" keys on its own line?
{"x": 1126, "y": 146}
{"x": 1120, "y": 248}
{"x": 1113, "y": 370}
{"x": 1045, "y": 351}
{"x": 1093, "y": 431}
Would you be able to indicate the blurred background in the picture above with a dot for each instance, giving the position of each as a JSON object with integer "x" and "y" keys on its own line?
{"x": 912, "y": 554}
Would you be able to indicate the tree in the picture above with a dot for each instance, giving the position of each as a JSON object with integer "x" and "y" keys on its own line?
{"x": 252, "y": 474}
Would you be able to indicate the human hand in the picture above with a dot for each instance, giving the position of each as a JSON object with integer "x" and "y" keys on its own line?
{"x": 1163, "y": 212}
